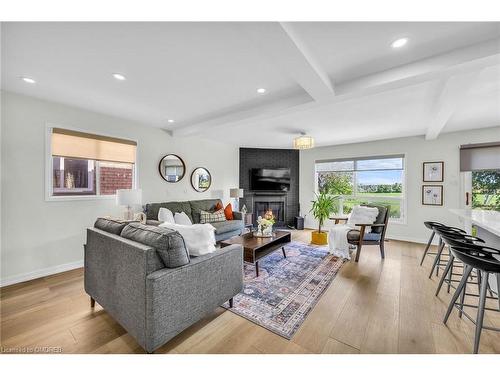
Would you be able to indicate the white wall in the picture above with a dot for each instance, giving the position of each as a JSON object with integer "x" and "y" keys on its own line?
{"x": 40, "y": 237}
{"x": 416, "y": 150}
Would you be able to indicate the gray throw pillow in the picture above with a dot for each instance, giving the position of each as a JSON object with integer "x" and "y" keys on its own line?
{"x": 168, "y": 243}
{"x": 110, "y": 225}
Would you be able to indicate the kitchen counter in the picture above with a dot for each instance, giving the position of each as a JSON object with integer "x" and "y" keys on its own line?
{"x": 488, "y": 220}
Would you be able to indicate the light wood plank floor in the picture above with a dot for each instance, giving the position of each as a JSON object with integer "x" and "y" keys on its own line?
{"x": 372, "y": 306}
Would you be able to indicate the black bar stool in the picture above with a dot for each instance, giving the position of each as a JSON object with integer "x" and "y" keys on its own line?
{"x": 451, "y": 238}
{"x": 437, "y": 260}
{"x": 486, "y": 260}
{"x": 430, "y": 225}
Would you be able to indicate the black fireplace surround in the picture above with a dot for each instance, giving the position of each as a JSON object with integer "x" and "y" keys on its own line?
{"x": 284, "y": 204}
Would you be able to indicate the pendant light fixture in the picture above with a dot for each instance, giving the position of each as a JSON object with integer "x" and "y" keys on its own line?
{"x": 303, "y": 142}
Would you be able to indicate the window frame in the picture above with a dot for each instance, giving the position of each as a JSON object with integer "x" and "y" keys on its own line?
{"x": 48, "y": 167}
{"x": 403, "y": 205}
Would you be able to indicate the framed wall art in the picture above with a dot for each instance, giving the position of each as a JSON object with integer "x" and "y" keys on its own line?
{"x": 432, "y": 195}
{"x": 433, "y": 171}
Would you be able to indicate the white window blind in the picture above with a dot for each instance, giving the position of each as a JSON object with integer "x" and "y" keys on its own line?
{"x": 73, "y": 144}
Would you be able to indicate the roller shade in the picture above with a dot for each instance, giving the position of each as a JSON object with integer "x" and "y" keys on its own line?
{"x": 73, "y": 144}
{"x": 479, "y": 156}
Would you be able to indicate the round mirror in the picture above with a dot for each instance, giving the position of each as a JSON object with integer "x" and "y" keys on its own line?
{"x": 201, "y": 179}
{"x": 172, "y": 168}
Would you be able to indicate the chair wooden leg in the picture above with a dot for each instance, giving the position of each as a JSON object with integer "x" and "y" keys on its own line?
{"x": 230, "y": 303}
{"x": 358, "y": 251}
{"x": 382, "y": 253}
{"x": 92, "y": 302}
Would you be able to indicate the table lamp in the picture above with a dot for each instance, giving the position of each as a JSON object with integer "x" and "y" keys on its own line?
{"x": 236, "y": 193}
{"x": 128, "y": 198}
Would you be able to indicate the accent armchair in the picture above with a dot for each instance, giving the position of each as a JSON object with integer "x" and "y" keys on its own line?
{"x": 375, "y": 237}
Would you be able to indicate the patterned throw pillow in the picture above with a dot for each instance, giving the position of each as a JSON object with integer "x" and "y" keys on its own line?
{"x": 212, "y": 217}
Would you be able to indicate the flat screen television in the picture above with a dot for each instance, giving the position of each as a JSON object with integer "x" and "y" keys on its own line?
{"x": 270, "y": 179}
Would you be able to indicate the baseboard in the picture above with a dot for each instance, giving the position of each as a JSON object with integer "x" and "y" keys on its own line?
{"x": 40, "y": 273}
{"x": 404, "y": 238}
{"x": 410, "y": 239}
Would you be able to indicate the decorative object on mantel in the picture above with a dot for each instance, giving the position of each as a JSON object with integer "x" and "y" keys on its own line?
{"x": 265, "y": 225}
{"x": 244, "y": 209}
{"x": 287, "y": 289}
{"x": 128, "y": 198}
{"x": 303, "y": 142}
{"x": 236, "y": 194}
{"x": 201, "y": 179}
{"x": 433, "y": 171}
{"x": 432, "y": 195}
{"x": 321, "y": 209}
{"x": 172, "y": 168}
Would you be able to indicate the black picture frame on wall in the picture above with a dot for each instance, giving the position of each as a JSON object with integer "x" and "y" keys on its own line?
{"x": 432, "y": 195}
{"x": 433, "y": 171}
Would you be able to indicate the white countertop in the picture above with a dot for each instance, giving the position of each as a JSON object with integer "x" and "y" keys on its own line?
{"x": 489, "y": 220}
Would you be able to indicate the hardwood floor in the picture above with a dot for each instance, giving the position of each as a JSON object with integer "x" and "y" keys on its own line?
{"x": 372, "y": 306}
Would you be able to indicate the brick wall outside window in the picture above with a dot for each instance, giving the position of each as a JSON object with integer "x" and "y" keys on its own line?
{"x": 115, "y": 176}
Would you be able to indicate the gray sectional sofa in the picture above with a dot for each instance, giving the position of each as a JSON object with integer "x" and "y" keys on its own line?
{"x": 144, "y": 278}
{"x": 223, "y": 230}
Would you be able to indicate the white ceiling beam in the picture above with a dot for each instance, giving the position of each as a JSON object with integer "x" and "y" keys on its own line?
{"x": 451, "y": 94}
{"x": 282, "y": 45}
{"x": 460, "y": 61}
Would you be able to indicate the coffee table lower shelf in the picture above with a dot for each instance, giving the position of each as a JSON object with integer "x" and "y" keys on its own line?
{"x": 255, "y": 248}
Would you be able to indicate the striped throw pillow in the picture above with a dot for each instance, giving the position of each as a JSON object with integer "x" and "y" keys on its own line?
{"x": 212, "y": 217}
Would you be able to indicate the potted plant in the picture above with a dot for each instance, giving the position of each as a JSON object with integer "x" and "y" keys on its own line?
{"x": 321, "y": 209}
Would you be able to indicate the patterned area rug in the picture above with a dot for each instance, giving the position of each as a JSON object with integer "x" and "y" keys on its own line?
{"x": 286, "y": 289}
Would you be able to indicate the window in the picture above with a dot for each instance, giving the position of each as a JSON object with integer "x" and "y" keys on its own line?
{"x": 481, "y": 163}
{"x": 377, "y": 180}
{"x": 89, "y": 165}
{"x": 486, "y": 189}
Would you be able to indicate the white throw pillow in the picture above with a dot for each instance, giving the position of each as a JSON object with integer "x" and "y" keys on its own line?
{"x": 166, "y": 215}
{"x": 363, "y": 215}
{"x": 199, "y": 238}
{"x": 182, "y": 219}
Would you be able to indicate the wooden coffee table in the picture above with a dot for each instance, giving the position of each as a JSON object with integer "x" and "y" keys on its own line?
{"x": 255, "y": 248}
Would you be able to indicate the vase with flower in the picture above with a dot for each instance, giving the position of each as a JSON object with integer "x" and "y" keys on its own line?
{"x": 265, "y": 225}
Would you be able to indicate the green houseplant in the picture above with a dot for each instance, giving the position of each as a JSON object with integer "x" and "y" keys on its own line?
{"x": 321, "y": 209}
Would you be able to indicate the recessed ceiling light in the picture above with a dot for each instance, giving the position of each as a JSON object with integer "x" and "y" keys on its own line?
{"x": 170, "y": 120}
{"x": 398, "y": 43}
{"x": 261, "y": 91}
{"x": 119, "y": 77}
{"x": 28, "y": 79}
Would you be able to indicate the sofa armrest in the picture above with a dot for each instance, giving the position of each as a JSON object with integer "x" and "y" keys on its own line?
{"x": 179, "y": 297}
{"x": 115, "y": 276}
{"x": 237, "y": 215}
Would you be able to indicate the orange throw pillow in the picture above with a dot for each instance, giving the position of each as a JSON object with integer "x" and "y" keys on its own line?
{"x": 228, "y": 211}
{"x": 219, "y": 206}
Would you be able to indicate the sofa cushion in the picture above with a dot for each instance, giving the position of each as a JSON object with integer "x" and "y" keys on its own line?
{"x": 353, "y": 235}
{"x": 228, "y": 211}
{"x": 168, "y": 243}
{"x": 227, "y": 226}
{"x": 212, "y": 217}
{"x": 110, "y": 225}
{"x": 152, "y": 209}
{"x": 202, "y": 204}
{"x": 182, "y": 219}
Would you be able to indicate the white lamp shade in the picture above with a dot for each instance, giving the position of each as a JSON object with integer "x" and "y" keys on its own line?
{"x": 236, "y": 193}
{"x": 128, "y": 197}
